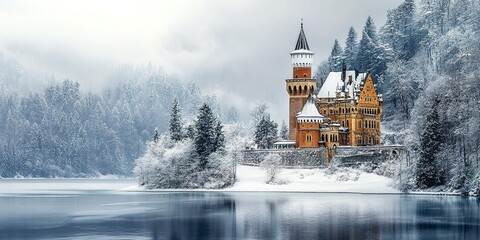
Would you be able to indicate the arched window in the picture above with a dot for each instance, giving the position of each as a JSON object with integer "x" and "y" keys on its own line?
{"x": 348, "y": 124}
{"x": 331, "y": 138}
{"x": 323, "y": 138}
{"x": 309, "y": 137}
{"x": 359, "y": 123}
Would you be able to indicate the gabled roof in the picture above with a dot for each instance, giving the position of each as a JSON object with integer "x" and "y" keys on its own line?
{"x": 302, "y": 40}
{"x": 334, "y": 83}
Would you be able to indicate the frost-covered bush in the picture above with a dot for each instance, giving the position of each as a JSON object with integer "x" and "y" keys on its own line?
{"x": 167, "y": 164}
{"x": 387, "y": 169}
{"x": 271, "y": 164}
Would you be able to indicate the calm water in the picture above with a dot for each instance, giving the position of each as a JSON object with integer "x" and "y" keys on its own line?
{"x": 93, "y": 209}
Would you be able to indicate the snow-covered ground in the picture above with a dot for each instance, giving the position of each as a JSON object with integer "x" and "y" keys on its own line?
{"x": 345, "y": 180}
{"x": 250, "y": 178}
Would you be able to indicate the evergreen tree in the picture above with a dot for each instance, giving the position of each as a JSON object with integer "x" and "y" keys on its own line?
{"x": 191, "y": 132}
{"x": 427, "y": 173}
{"x": 350, "y": 52}
{"x": 284, "y": 131}
{"x": 367, "y": 49}
{"x": 219, "y": 137}
{"x": 205, "y": 137}
{"x": 175, "y": 122}
{"x": 156, "y": 135}
{"x": 336, "y": 57}
{"x": 399, "y": 31}
{"x": 266, "y": 133}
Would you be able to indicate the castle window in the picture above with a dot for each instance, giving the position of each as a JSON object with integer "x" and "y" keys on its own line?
{"x": 309, "y": 138}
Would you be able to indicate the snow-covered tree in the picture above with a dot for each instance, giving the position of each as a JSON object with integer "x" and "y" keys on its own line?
{"x": 176, "y": 122}
{"x": 336, "y": 60}
{"x": 271, "y": 164}
{"x": 205, "y": 135}
{"x": 351, "y": 46}
{"x": 266, "y": 133}
{"x": 430, "y": 142}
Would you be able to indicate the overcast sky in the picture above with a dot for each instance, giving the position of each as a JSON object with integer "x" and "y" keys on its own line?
{"x": 239, "y": 50}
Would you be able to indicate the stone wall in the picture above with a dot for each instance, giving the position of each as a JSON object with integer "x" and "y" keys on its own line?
{"x": 348, "y": 156}
{"x": 315, "y": 157}
{"x": 312, "y": 157}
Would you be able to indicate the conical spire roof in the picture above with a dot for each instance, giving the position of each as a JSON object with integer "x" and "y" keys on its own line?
{"x": 309, "y": 111}
{"x": 302, "y": 40}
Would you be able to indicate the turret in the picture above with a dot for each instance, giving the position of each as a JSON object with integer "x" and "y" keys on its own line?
{"x": 301, "y": 85}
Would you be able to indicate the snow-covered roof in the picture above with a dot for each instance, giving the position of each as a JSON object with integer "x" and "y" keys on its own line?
{"x": 310, "y": 112}
{"x": 334, "y": 83}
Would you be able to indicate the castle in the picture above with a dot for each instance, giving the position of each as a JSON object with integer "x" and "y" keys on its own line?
{"x": 345, "y": 111}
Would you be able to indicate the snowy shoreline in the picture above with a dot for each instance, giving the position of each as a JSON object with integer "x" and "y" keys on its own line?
{"x": 252, "y": 179}
{"x": 301, "y": 180}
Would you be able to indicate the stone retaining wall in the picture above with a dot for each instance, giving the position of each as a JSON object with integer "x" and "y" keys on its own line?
{"x": 347, "y": 156}
{"x": 313, "y": 157}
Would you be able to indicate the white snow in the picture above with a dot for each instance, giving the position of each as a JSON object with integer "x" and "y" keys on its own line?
{"x": 251, "y": 178}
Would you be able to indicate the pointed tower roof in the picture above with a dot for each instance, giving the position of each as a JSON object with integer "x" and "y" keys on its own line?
{"x": 302, "y": 40}
{"x": 310, "y": 112}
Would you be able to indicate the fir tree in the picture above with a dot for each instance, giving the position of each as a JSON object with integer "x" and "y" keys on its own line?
{"x": 367, "y": 49}
{"x": 205, "y": 135}
{"x": 190, "y": 132}
{"x": 427, "y": 173}
{"x": 336, "y": 57}
{"x": 350, "y": 52}
{"x": 175, "y": 122}
{"x": 219, "y": 137}
{"x": 156, "y": 135}
{"x": 266, "y": 133}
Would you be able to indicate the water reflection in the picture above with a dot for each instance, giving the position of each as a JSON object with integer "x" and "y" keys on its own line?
{"x": 204, "y": 215}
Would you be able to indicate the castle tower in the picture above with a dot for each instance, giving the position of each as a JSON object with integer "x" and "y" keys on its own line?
{"x": 301, "y": 84}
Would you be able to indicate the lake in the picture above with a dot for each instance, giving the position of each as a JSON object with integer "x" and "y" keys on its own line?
{"x": 98, "y": 209}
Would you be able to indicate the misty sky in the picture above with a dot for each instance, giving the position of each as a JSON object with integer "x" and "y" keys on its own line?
{"x": 238, "y": 50}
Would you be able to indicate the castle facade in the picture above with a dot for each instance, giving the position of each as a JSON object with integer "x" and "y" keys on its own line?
{"x": 344, "y": 111}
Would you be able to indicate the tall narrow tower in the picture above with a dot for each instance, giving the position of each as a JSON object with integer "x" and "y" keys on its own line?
{"x": 301, "y": 84}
